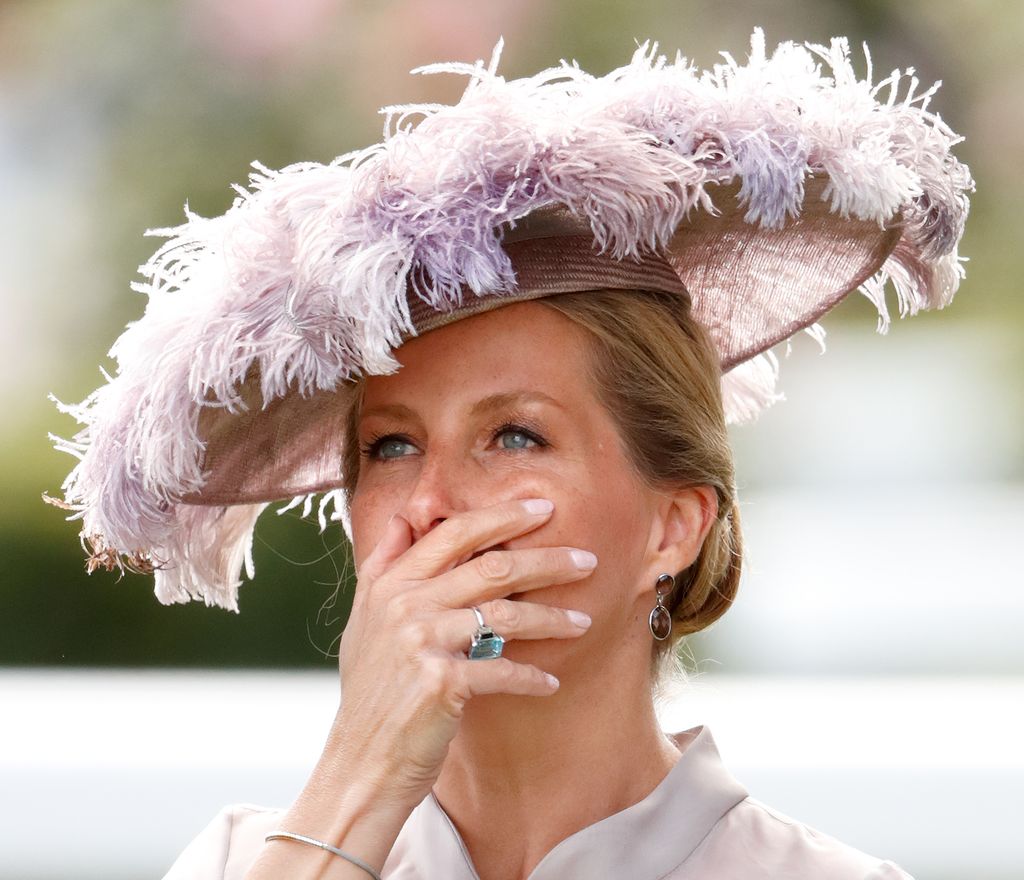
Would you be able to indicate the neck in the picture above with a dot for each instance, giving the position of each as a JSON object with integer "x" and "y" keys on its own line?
{"x": 541, "y": 769}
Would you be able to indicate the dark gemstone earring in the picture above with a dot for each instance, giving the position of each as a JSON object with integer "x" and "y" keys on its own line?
{"x": 660, "y": 620}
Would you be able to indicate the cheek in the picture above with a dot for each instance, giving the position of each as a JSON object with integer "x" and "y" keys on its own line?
{"x": 611, "y": 518}
{"x": 608, "y": 516}
{"x": 610, "y": 525}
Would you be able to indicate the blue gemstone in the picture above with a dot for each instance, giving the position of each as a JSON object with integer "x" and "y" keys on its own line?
{"x": 486, "y": 646}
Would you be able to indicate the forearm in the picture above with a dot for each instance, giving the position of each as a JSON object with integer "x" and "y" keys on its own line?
{"x": 406, "y": 678}
{"x": 341, "y": 805}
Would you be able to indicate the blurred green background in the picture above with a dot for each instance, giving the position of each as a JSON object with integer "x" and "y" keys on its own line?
{"x": 114, "y": 113}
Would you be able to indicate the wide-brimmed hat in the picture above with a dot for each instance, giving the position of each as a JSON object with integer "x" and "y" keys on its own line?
{"x": 759, "y": 195}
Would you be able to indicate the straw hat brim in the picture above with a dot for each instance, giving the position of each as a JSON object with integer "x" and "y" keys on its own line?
{"x": 750, "y": 286}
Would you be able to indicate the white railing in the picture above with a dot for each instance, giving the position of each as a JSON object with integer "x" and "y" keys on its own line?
{"x": 108, "y": 774}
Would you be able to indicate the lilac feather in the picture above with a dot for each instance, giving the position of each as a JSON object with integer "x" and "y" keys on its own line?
{"x": 305, "y": 276}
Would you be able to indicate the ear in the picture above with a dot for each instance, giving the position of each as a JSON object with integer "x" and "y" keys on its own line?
{"x": 682, "y": 522}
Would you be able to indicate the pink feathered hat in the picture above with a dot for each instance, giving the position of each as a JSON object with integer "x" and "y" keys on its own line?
{"x": 760, "y": 195}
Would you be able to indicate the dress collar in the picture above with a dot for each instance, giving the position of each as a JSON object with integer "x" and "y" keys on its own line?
{"x": 644, "y": 841}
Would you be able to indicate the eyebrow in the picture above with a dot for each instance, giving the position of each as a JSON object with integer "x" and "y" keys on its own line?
{"x": 511, "y": 398}
{"x": 395, "y": 410}
{"x": 482, "y": 407}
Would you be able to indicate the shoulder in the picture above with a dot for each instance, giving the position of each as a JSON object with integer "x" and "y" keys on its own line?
{"x": 755, "y": 840}
{"x": 227, "y": 846}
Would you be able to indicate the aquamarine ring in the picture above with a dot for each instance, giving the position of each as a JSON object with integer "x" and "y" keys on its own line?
{"x": 486, "y": 644}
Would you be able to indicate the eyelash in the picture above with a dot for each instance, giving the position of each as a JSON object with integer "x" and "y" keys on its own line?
{"x": 372, "y": 447}
{"x": 517, "y": 427}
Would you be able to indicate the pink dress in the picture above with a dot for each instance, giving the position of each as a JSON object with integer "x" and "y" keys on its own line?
{"x": 698, "y": 824}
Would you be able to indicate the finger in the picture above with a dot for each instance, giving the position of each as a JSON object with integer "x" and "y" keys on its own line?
{"x": 453, "y": 630}
{"x": 397, "y": 538}
{"x": 499, "y": 573}
{"x": 470, "y": 531}
{"x": 502, "y": 676}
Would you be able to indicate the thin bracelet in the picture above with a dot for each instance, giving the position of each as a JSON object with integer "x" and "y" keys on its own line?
{"x": 301, "y": 838}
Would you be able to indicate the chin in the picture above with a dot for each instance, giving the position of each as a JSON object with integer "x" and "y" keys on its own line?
{"x": 558, "y": 656}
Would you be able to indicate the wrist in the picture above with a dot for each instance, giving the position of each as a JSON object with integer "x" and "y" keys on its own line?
{"x": 349, "y": 805}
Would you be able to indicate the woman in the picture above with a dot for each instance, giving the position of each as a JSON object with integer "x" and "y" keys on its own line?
{"x": 532, "y": 444}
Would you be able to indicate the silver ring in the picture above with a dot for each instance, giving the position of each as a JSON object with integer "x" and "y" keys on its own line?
{"x": 486, "y": 643}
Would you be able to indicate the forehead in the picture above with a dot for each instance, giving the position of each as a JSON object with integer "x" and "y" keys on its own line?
{"x": 522, "y": 346}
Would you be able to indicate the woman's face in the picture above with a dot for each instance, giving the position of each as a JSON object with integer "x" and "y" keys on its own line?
{"x": 500, "y": 406}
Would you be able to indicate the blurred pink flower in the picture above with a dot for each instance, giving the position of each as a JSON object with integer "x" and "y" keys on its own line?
{"x": 260, "y": 30}
{"x": 425, "y": 31}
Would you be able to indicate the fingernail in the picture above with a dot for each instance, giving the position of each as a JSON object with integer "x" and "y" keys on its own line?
{"x": 551, "y": 680}
{"x": 581, "y": 619}
{"x": 537, "y": 506}
{"x": 583, "y": 559}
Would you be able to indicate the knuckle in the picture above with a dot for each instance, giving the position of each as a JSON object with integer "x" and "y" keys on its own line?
{"x": 559, "y": 617}
{"x": 418, "y": 635}
{"x": 448, "y": 537}
{"x": 527, "y": 676}
{"x": 508, "y": 670}
{"x": 510, "y": 514}
{"x": 436, "y": 676}
{"x": 505, "y": 615}
{"x": 494, "y": 565}
{"x": 499, "y": 518}
{"x": 401, "y": 606}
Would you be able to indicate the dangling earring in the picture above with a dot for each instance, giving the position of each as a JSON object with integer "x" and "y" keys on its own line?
{"x": 660, "y": 620}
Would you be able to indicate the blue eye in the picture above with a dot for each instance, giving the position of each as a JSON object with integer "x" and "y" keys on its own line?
{"x": 519, "y": 439}
{"x": 387, "y": 448}
{"x": 392, "y": 448}
{"x": 512, "y": 437}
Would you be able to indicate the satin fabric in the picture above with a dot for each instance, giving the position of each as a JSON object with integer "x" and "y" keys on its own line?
{"x": 699, "y": 823}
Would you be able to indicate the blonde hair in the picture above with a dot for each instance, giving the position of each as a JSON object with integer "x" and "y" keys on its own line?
{"x": 656, "y": 370}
